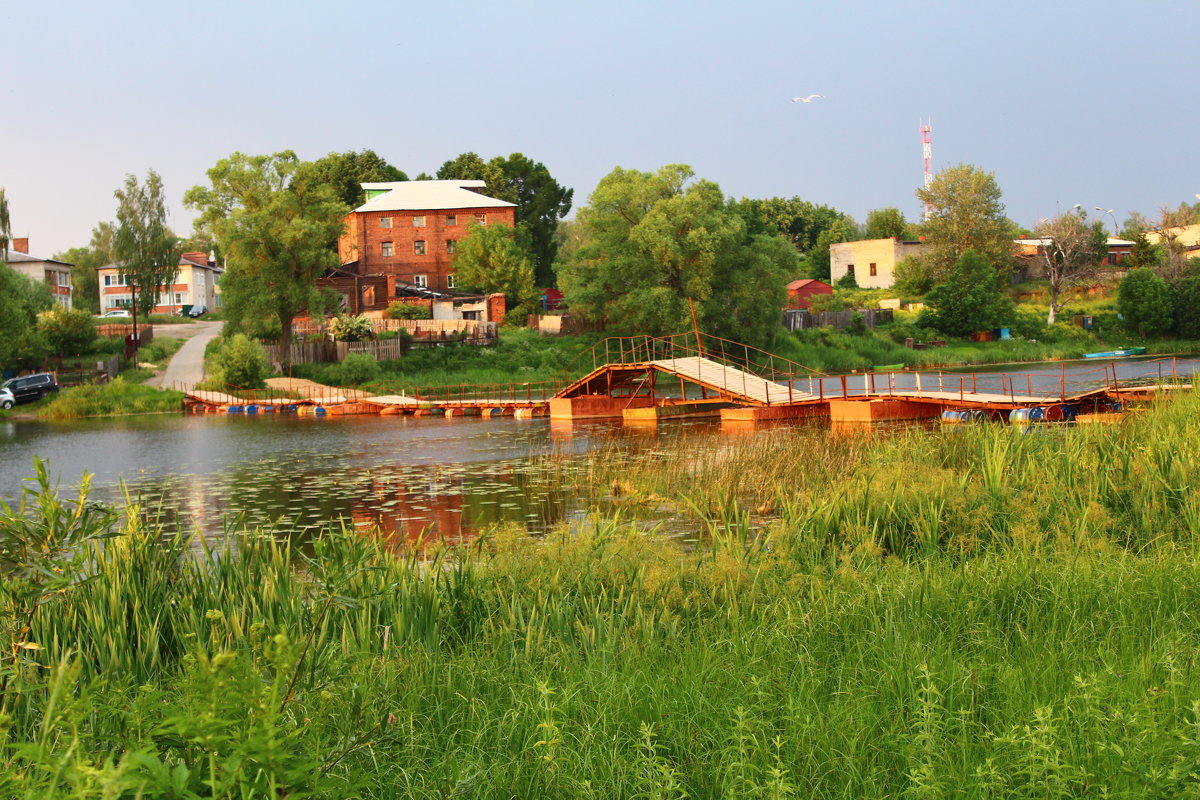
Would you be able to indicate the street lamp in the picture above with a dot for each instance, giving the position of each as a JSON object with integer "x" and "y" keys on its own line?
{"x": 1114, "y": 218}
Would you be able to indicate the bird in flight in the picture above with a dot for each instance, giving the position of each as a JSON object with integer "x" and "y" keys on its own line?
{"x": 808, "y": 99}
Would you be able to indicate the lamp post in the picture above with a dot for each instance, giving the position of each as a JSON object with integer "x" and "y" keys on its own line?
{"x": 1110, "y": 213}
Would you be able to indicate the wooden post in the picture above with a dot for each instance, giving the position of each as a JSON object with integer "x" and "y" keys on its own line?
{"x": 696, "y": 326}
{"x": 1062, "y": 383}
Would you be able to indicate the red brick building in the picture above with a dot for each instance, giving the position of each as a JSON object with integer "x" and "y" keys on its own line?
{"x": 407, "y": 230}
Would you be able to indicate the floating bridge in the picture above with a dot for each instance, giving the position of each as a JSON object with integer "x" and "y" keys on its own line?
{"x": 647, "y": 378}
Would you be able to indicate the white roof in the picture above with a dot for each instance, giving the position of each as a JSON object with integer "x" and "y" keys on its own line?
{"x": 429, "y": 196}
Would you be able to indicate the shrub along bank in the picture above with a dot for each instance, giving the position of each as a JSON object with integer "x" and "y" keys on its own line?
{"x": 1017, "y": 622}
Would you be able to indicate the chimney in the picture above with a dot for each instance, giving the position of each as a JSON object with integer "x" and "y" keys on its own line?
{"x": 19, "y": 245}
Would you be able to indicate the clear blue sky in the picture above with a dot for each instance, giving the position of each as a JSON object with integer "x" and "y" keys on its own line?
{"x": 1066, "y": 102}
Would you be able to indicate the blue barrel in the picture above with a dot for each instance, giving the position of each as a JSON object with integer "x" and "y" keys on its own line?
{"x": 1037, "y": 414}
{"x": 979, "y": 415}
{"x": 252, "y": 409}
{"x": 319, "y": 411}
{"x": 1069, "y": 413}
{"x": 949, "y": 416}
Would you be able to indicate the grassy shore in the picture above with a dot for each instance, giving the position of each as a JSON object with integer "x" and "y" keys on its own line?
{"x": 972, "y": 612}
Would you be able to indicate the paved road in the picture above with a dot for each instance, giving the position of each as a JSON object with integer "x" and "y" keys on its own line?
{"x": 187, "y": 365}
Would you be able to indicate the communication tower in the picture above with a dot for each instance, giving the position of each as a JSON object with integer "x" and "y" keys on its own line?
{"x": 927, "y": 147}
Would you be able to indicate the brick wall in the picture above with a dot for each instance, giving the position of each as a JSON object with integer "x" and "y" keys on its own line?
{"x": 365, "y": 237}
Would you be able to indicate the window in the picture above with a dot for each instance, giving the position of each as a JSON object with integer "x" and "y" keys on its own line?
{"x": 179, "y": 298}
{"x": 385, "y": 249}
{"x": 481, "y": 219}
{"x": 420, "y": 280}
{"x": 450, "y": 245}
{"x": 419, "y": 222}
{"x": 873, "y": 272}
{"x": 108, "y": 280}
{"x": 419, "y": 247}
{"x": 449, "y": 281}
{"x": 849, "y": 269}
{"x": 385, "y": 222}
{"x": 452, "y": 219}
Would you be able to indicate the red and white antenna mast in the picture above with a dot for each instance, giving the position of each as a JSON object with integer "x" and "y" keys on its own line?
{"x": 927, "y": 147}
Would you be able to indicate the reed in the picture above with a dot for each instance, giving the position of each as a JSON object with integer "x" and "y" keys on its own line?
{"x": 978, "y": 612}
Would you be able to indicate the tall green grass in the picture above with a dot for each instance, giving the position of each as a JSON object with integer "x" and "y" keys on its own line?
{"x": 980, "y": 612}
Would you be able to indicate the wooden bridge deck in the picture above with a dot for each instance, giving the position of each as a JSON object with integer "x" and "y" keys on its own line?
{"x": 732, "y": 382}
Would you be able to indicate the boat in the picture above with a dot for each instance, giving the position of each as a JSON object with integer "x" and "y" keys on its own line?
{"x": 1124, "y": 352}
{"x": 887, "y": 367}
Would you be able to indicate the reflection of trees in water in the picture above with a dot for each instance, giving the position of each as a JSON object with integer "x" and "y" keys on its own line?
{"x": 436, "y": 504}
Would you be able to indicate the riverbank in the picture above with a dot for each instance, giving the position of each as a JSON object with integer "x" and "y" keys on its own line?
{"x": 1015, "y": 621}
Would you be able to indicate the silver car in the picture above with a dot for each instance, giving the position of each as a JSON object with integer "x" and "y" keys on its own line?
{"x": 7, "y": 400}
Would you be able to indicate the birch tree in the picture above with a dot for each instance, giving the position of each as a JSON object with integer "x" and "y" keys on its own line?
{"x": 1069, "y": 252}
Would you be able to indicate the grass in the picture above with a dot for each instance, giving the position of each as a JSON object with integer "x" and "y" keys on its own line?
{"x": 979, "y": 612}
{"x": 118, "y": 397}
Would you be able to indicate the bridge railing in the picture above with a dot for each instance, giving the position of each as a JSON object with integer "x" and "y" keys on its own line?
{"x": 644, "y": 349}
{"x": 480, "y": 394}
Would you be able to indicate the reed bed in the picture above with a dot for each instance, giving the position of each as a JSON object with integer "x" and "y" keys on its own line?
{"x": 978, "y": 612}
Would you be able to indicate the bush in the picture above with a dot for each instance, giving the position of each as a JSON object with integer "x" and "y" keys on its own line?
{"x": 69, "y": 332}
{"x": 399, "y": 310}
{"x": 242, "y": 362}
{"x": 358, "y": 368}
{"x": 913, "y": 277}
{"x": 1144, "y": 301}
{"x": 350, "y": 328}
{"x": 1186, "y": 307}
{"x": 858, "y": 324}
{"x": 847, "y": 281}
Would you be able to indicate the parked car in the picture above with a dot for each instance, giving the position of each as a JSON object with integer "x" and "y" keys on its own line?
{"x": 116, "y": 312}
{"x": 198, "y": 311}
{"x": 7, "y": 400}
{"x": 28, "y": 388}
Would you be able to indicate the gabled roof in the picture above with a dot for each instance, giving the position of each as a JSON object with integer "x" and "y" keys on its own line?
{"x": 804, "y": 282}
{"x": 429, "y": 196}
{"x": 17, "y": 257}
{"x": 183, "y": 262}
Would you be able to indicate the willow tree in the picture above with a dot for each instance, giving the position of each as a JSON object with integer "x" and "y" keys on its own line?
{"x": 652, "y": 244}
{"x": 274, "y": 226}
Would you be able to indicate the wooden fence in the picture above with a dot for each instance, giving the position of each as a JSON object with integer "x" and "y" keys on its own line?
{"x": 326, "y": 351}
{"x": 74, "y": 373}
{"x": 798, "y": 319}
{"x": 420, "y": 328}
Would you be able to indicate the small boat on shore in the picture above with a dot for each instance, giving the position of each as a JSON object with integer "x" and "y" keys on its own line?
{"x": 887, "y": 367}
{"x": 1124, "y": 352}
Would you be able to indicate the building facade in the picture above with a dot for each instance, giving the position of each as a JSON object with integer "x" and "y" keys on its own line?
{"x": 56, "y": 274}
{"x": 408, "y": 230}
{"x": 195, "y": 285}
{"x": 872, "y": 262}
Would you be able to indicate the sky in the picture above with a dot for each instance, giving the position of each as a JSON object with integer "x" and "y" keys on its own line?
{"x": 1065, "y": 102}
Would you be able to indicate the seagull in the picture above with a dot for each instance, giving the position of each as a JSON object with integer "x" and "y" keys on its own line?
{"x": 808, "y": 99}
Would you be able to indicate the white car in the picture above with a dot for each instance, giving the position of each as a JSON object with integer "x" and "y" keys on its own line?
{"x": 7, "y": 400}
{"x": 116, "y": 312}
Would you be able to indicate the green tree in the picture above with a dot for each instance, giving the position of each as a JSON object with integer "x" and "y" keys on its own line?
{"x": 817, "y": 265}
{"x": 1070, "y": 250}
{"x": 913, "y": 276}
{"x": 344, "y": 172}
{"x": 1144, "y": 302}
{"x": 489, "y": 259}
{"x": 884, "y": 223}
{"x": 84, "y": 261}
{"x": 966, "y": 214}
{"x": 67, "y": 332}
{"x": 969, "y": 299}
{"x": 5, "y": 227}
{"x": 799, "y": 221}
{"x": 650, "y": 242}
{"x": 275, "y": 233}
{"x": 541, "y": 202}
{"x": 1142, "y": 254}
{"x": 1185, "y": 297}
{"x": 144, "y": 247}
{"x": 21, "y": 299}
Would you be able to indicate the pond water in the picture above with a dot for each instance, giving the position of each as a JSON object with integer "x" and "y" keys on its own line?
{"x": 404, "y": 475}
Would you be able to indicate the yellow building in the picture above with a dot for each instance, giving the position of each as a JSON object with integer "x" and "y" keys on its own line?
{"x": 872, "y": 262}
